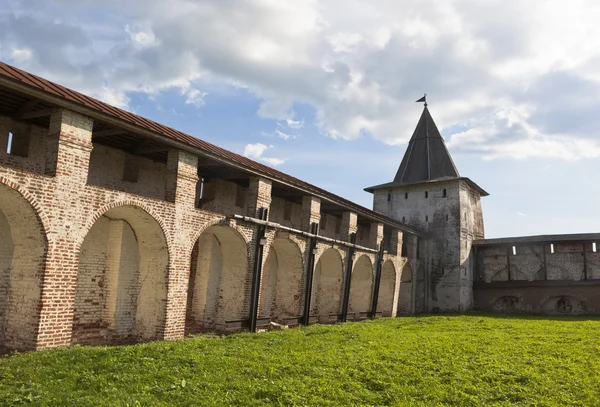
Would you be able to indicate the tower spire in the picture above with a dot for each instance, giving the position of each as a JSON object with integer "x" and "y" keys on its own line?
{"x": 426, "y": 157}
{"x": 423, "y": 99}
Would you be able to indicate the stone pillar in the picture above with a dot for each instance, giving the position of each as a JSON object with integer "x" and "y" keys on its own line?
{"x": 375, "y": 235}
{"x": 68, "y": 148}
{"x": 69, "y": 145}
{"x": 311, "y": 211}
{"x": 396, "y": 243}
{"x": 182, "y": 178}
{"x": 180, "y": 188}
{"x": 259, "y": 196}
{"x": 349, "y": 225}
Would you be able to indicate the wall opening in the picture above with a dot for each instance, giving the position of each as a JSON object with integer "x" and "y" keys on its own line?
{"x": 121, "y": 289}
{"x": 9, "y": 143}
{"x": 361, "y": 286}
{"x": 444, "y": 193}
{"x": 387, "y": 288}
{"x": 218, "y": 289}
{"x": 406, "y": 195}
{"x": 281, "y": 290}
{"x": 594, "y": 247}
{"x": 389, "y": 196}
{"x": 552, "y": 248}
{"x": 426, "y": 194}
{"x": 514, "y": 250}
{"x": 22, "y": 259}
{"x": 327, "y": 285}
{"x": 405, "y": 295}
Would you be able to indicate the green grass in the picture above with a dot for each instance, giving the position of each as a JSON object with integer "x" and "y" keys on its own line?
{"x": 466, "y": 360}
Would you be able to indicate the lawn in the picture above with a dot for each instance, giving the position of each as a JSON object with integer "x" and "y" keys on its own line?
{"x": 463, "y": 360}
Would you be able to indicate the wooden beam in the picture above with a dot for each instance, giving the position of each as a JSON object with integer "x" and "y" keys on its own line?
{"x": 106, "y": 133}
{"x": 37, "y": 113}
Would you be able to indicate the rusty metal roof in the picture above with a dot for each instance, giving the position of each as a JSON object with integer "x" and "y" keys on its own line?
{"x": 48, "y": 91}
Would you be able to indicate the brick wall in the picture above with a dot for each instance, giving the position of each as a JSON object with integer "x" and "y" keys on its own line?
{"x": 92, "y": 254}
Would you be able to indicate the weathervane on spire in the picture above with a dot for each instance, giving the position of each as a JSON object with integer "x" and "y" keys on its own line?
{"x": 423, "y": 99}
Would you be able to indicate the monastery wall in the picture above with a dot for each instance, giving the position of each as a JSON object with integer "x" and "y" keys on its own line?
{"x": 100, "y": 246}
{"x": 540, "y": 274}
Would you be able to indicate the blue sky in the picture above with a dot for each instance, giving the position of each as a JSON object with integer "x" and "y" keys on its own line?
{"x": 325, "y": 90}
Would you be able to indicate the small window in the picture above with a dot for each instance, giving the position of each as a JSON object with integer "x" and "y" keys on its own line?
{"x": 426, "y": 194}
{"x": 287, "y": 211}
{"x": 389, "y": 196}
{"x": 446, "y": 217}
{"x": 406, "y": 195}
{"x": 552, "y": 248}
{"x": 18, "y": 144}
{"x": 444, "y": 194}
{"x": 403, "y": 219}
{"x": 240, "y": 197}
{"x": 426, "y": 218}
{"x": 594, "y": 247}
{"x": 131, "y": 170}
{"x": 9, "y": 144}
{"x": 323, "y": 224}
{"x": 514, "y": 250}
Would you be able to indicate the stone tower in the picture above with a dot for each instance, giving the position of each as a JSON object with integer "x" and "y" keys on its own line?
{"x": 429, "y": 193}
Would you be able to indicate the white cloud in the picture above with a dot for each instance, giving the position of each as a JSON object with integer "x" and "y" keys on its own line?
{"x": 283, "y": 135}
{"x": 20, "y": 55}
{"x": 273, "y": 161}
{"x": 194, "y": 97}
{"x": 520, "y": 213}
{"x": 255, "y": 151}
{"x": 360, "y": 65}
{"x": 294, "y": 124}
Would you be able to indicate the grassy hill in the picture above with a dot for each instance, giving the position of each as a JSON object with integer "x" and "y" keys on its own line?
{"x": 464, "y": 360}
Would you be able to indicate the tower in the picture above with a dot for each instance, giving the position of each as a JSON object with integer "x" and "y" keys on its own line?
{"x": 428, "y": 193}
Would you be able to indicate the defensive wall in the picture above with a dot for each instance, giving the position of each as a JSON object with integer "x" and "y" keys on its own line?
{"x": 553, "y": 274}
{"x": 115, "y": 229}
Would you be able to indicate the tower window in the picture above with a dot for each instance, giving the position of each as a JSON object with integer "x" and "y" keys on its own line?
{"x": 444, "y": 193}
{"x": 426, "y": 218}
{"x": 426, "y": 194}
{"x": 389, "y": 196}
{"x": 552, "y": 248}
{"x": 514, "y": 250}
{"x": 446, "y": 217}
{"x": 403, "y": 219}
{"x": 406, "y": 195}
{"x": 594, "y": 247}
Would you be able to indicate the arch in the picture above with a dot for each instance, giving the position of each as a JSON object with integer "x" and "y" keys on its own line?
{"x": 218, "y": 289}
{"x": 23, "y": 248}
{"x": 508, "y": 304}
{"x": 327, "y": 285}
{"x": 122, "y": 278}
{"x": 281, "y": 291}
{"x": 564, "y": 304}
{"x": 361, "y": 286}
{"x": 126, "y": 203}
{"x": 405, "y": 295}
{"x": 387, "y": 289}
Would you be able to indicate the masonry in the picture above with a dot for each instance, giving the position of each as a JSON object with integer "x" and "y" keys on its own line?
{"x": 116, "y": 229}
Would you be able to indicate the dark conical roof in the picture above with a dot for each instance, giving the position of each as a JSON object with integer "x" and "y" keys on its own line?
{"x": 426, "y": 157}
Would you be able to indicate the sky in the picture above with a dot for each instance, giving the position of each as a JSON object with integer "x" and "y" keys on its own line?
{"x": 325, "y": 90}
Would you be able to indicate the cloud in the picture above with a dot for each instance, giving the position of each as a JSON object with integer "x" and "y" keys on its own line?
{"x": 520, "y": 213}
{"x": 294, "y": 124}
{"x": 359, "y": 65}
{"x": 255, "y": 151}
{"x": 283, "y": 135}
{"x": 20, "y": 55}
